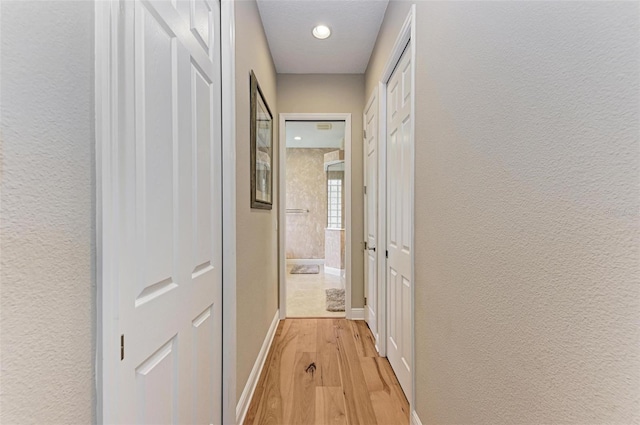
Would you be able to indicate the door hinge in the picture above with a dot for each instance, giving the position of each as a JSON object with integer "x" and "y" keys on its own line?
{"x": 365, "y": 300}
{"x": 122, "y": 347}
{"x": 365, "y": 245}
{"x": 365, "y": 190}
{"x": 364, "y": 133}
{"x": 386, "y": 253}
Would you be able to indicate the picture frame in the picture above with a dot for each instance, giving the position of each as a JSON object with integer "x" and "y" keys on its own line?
{"x": 261, "y": 142}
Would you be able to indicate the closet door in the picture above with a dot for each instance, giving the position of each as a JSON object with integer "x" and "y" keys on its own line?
{"x": 371, "y": 215}
{"x": 399, "y": 221}
{"x": 168, "y": 212}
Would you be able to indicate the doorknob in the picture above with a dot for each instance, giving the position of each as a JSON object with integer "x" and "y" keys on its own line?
{"x": 372, "y": 249}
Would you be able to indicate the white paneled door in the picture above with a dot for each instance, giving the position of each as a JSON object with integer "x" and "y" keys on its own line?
{"x": 371, "y": 214}
{"x": 399, "y": 220}
{"x": 168, "y": 212}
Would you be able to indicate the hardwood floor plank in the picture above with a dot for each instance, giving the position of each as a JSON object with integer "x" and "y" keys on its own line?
{"x": 330, "y": 406}
{"x": 357, "y": 341}
{"x": 385, "y": 414}
{"x": 388, "y": 402}
{"x": 356, "y": 395}
{"x": 373, "y": 375}
{"x": 327, "y": 355}
{"x": 286, "y": 375}
{"x": 272, "y": 399}
{"x": 270, "y": 413}
{"x": 307, "y": 335}
{"x": 304, "y": 391}
{"x": 387, "y": 372}
{"x": 367, "y": 340}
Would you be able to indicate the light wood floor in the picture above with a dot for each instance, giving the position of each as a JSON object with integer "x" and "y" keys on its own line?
{"x": 326, "y": 371}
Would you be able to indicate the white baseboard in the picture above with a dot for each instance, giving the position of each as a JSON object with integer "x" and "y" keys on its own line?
{"x": 333, "y": 271}
{"x": 245, "y": 399}
{"x": 357, "y": 314}
{"x": 415, "y": 420}
{"x": 319, "y": 261}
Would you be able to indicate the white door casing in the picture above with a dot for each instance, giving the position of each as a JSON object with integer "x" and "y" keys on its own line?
{"x": 371, "y": 215}
{"x": 399, "y": 218}
{"x": 229, "y": 297}
{"x": 164, "y": 223}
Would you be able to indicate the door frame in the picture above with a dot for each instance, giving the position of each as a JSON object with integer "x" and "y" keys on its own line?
{"x": 106, "y": 289}
{"x": 106, "y": 20}
{"x": 407, "y": 33}
{"x": 229, "y": 297}
{"x": 282, "y": 172}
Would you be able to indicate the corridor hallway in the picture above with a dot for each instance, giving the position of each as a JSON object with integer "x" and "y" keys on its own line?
{"x": 326, "y": 371}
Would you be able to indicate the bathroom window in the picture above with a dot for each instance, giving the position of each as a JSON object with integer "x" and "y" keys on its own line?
{"x": 334, "y": 210}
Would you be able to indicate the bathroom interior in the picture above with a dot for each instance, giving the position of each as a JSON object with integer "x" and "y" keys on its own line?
{"x": 315, "y": 218}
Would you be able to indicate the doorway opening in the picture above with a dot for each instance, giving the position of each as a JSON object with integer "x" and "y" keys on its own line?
{"x": 315, "y": 208}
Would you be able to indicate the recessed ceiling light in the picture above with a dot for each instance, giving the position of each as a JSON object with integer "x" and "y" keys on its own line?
{"x": 321, "y": 32}
{"x": 297, "y": 138}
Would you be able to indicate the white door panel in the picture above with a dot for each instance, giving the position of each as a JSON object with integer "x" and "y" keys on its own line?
{"x": 399, "y": 221}
{"x": 371, "y": 215}
{"x": 169, "y": 212}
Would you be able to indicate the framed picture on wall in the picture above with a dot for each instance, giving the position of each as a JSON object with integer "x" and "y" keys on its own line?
{"x": 261, "y": 138}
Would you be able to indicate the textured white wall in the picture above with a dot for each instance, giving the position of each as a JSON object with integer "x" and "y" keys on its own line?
{"x": 47, "y": 304}
{"x": 527, "y": 212}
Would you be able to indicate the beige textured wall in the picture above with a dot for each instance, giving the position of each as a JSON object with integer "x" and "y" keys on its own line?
{"x": 47, "y": 218}
{"x": 527, "y": 201}
{"x": 257, "y": 238}
{"x": 394, "y": 17}
{"x": 335, "y": 93}
{"x": 306, "y": 184}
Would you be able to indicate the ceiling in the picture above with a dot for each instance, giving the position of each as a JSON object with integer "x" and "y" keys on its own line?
{"x": 312, "y": 137}
{"x": 354, "y": 27}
